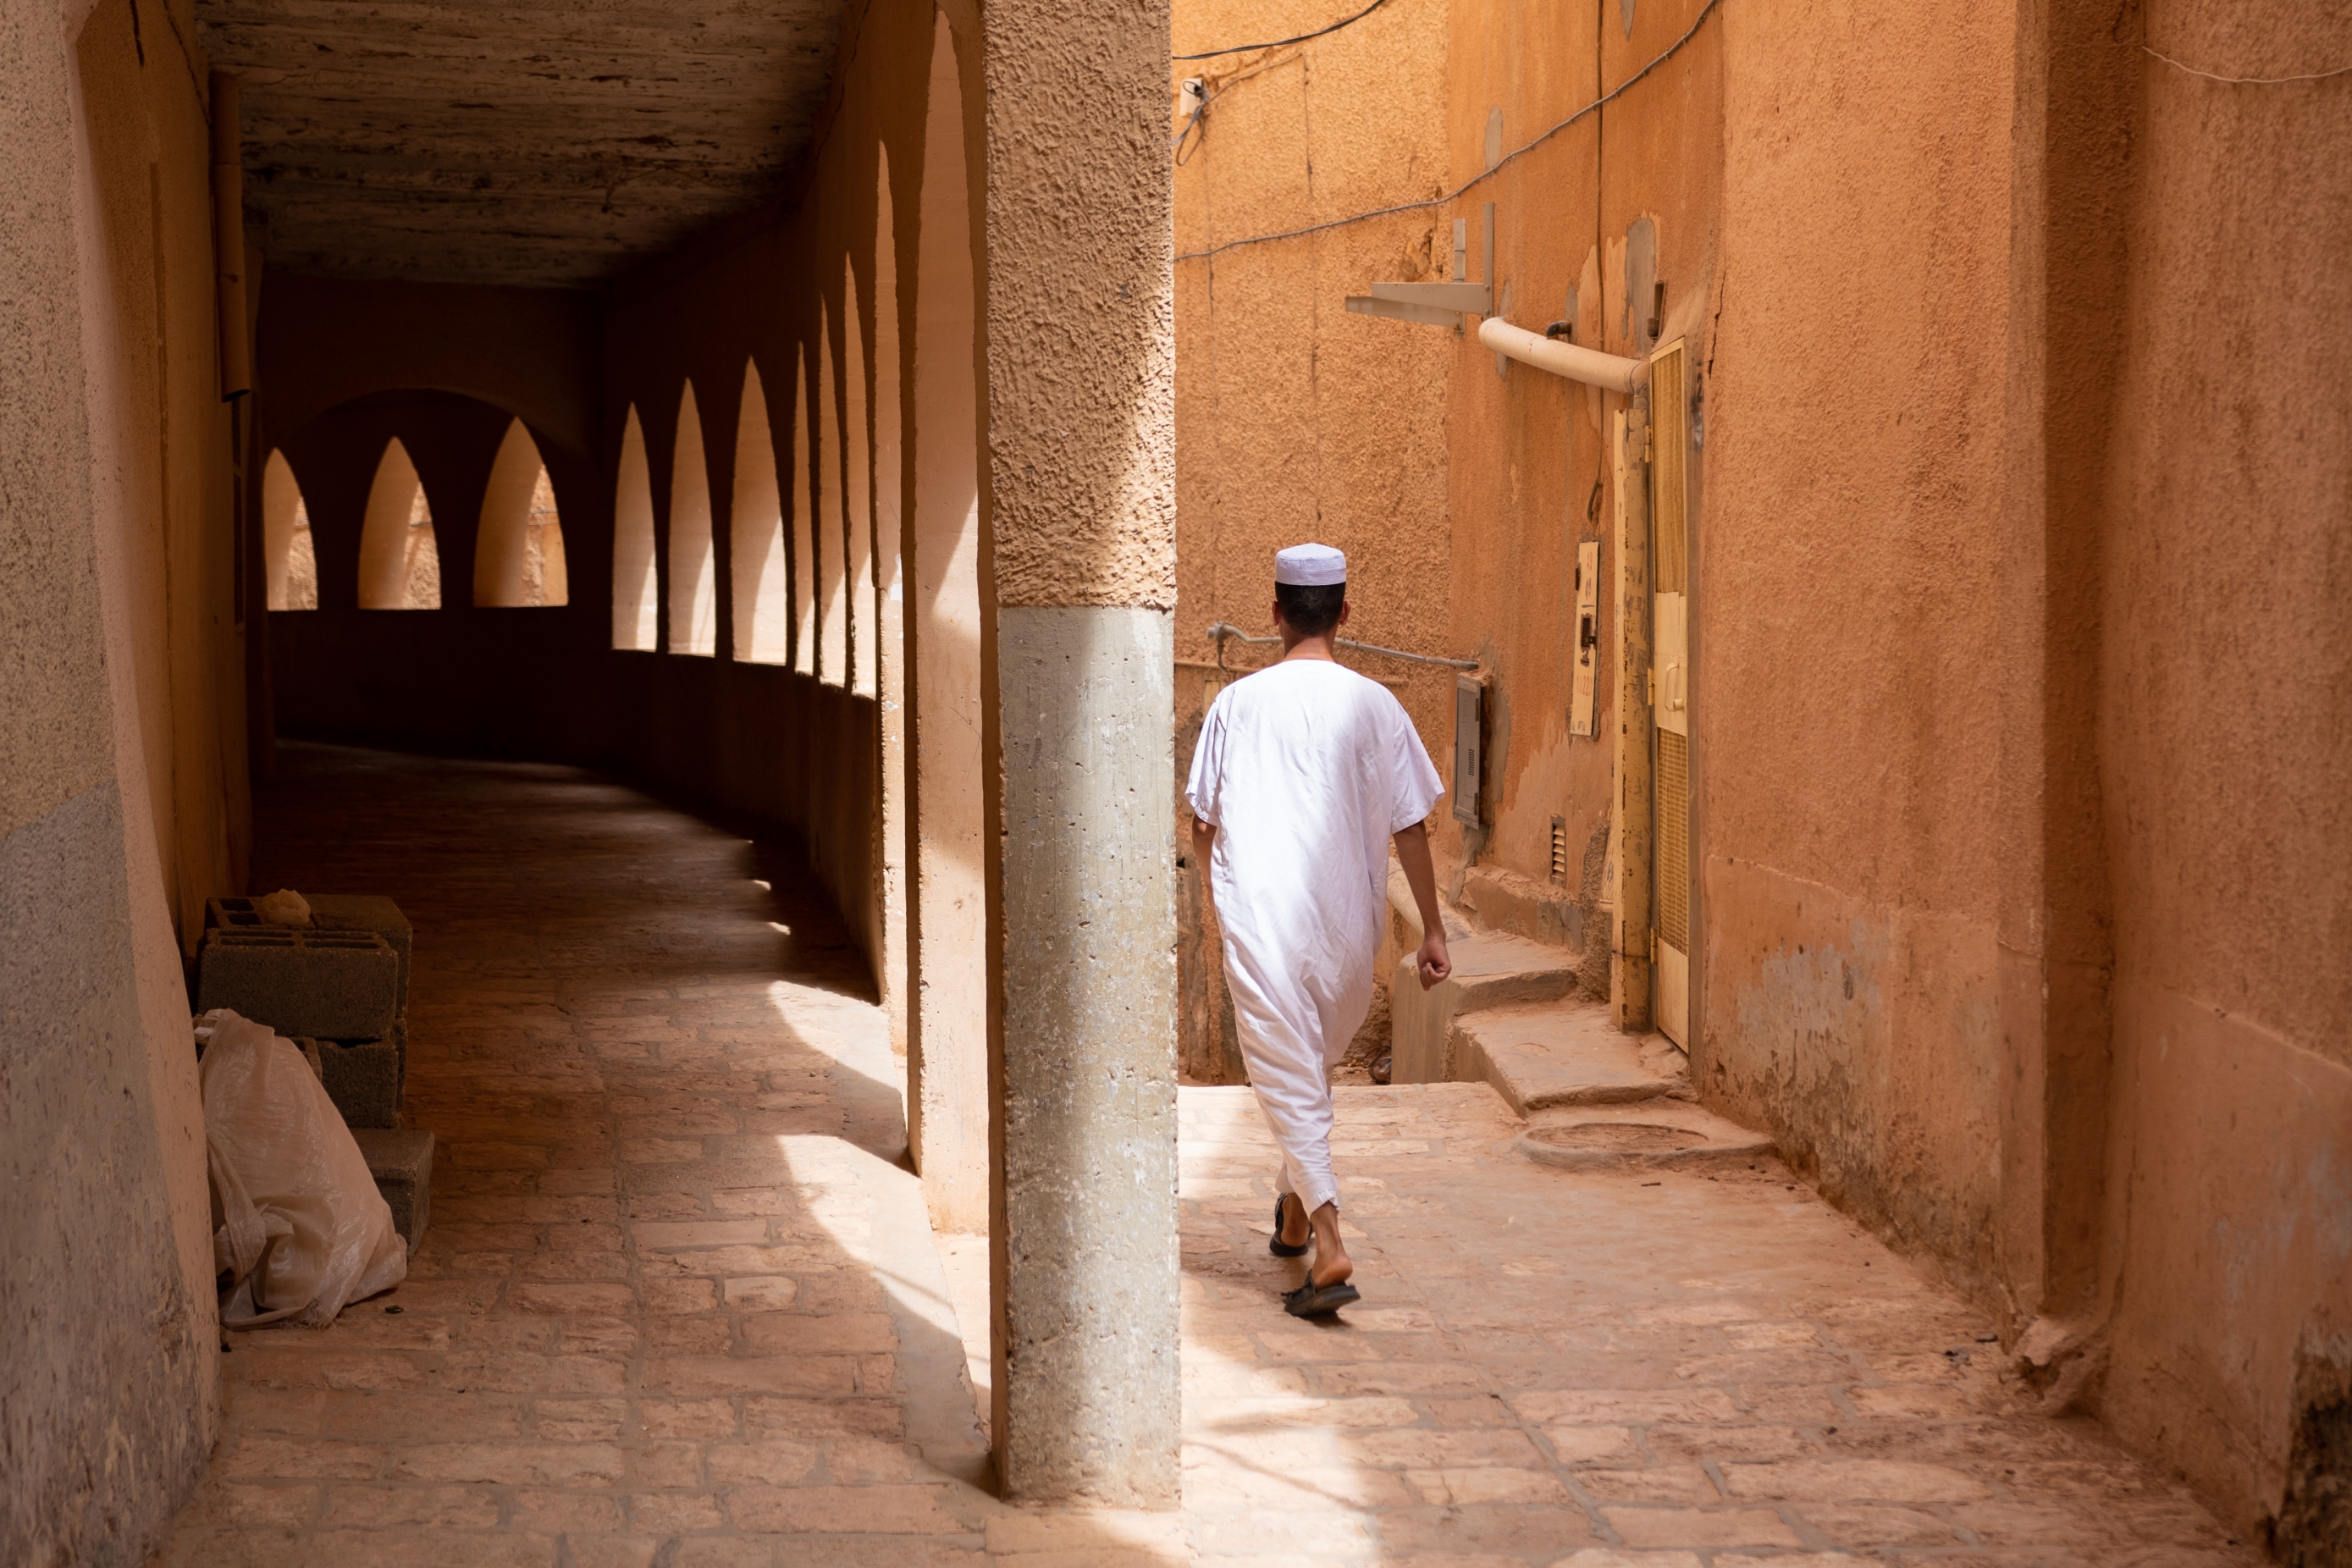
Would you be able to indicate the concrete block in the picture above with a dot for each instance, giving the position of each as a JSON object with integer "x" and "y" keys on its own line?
{"x": 334, "y": 985}
{"x": 328, "y": 911}
{"x": 363, "y": 1077}
{"x": 401, "y": 1161}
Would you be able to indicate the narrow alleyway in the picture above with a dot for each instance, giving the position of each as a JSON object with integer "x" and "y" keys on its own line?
{"x": 680, "y": 1304}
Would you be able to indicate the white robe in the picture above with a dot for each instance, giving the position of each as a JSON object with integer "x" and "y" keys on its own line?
{"x": 1306, "y": 770}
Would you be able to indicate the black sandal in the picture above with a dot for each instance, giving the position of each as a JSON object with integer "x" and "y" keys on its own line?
{"x": 1313, "y": 1301}
{"x": 1280, "y": 1248}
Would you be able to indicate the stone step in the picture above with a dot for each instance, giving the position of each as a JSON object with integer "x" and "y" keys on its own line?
{"x": 401, "y": 1161}
{"x": 1564, "y": 1053}
{"x": 1648, "y": 1135}
{"x": 1491, "y": 970}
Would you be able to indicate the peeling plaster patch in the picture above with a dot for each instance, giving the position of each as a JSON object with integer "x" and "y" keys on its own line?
{"x": 1805, "y": 1003}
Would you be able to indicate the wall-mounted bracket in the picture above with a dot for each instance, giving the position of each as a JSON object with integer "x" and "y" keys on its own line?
{"x": 1438, "y": 304}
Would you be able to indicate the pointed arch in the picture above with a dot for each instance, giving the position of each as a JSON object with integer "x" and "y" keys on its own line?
{"x": 286, "y": 551}
{"x": 693, "y": 582}
{"x": 859, "y": 461}
{"x": 947, "y": 1046}
{"x": 635, "y": 614}
{"x": 833, "y": 653}
{"x": 803, "y": 564}
{"x": 400, "y": 559}
{"x": 890, "y": 642}
{"x": 763, "y": 587}
{"x": 519, "y": 547}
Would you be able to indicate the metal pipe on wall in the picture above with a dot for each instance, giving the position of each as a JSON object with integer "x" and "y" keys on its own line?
{"x": 1611, "y": 372}
{"x": 228, "y": 240}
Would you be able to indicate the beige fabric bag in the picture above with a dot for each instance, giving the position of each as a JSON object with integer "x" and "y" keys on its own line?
{"x": 302, "y": 1231}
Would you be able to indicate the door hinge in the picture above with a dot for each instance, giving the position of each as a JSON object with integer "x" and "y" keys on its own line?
{"x": 1652, "y": 678}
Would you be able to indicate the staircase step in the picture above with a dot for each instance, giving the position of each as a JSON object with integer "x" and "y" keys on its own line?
{"x": 1649, "y": 1134}
{"x": 1491, "y": 970}
{"x": 1542, "y": 1056}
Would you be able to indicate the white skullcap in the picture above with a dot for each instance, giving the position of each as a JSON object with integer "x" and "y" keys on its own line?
{"x": 1311, "y": 566}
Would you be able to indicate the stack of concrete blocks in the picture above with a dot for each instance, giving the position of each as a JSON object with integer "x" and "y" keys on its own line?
{"x": 339, "y": 988}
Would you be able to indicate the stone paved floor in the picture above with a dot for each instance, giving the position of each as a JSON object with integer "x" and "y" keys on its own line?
{"x": 678, "y": 1304}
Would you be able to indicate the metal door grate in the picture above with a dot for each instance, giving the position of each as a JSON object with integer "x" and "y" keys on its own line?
{"x": 1669, "y": 456}
{"x": 1673, "y": 840}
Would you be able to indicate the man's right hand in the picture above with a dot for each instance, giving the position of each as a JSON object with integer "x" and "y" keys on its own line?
{"x": 1432, "y": 962}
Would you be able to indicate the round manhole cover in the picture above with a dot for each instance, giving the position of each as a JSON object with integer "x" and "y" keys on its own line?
{"x": 1616, "y": 1137}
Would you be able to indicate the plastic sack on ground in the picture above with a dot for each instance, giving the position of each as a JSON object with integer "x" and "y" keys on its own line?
{"x": 283, "y": 908}
{"x": 302, "y": 1230}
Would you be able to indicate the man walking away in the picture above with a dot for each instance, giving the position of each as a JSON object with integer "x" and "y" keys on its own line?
{"x": 1306, "y": 772}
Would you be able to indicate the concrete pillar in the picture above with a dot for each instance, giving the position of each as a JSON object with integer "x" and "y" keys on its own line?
{"x": 1080, "y": 708}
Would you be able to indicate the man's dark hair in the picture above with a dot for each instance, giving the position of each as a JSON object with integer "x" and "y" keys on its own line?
{"x": 1313, "y": 611}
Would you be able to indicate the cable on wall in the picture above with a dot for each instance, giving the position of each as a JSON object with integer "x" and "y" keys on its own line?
{"x": 1277, "y": 43}
{"x": 2246, "y": 80}
{"x": 1500, "y": 164}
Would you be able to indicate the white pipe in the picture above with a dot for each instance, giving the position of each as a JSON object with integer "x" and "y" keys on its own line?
{"x": 1591, "y": 366}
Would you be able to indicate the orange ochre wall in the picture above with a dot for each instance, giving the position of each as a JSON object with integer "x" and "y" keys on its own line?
{"x": 2021, "y": 452}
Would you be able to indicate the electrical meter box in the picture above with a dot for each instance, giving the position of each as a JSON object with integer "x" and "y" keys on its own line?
{"x": 1469, "y": 746}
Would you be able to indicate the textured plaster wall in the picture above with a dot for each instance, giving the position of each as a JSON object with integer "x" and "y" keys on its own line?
{"x": 183, "y": 624}
{"x": 2021, "y": 678}
{"x": 106, "y": 1395}
{"x": 1846, "y": 611}
{"x": 1081, "y": 345}
{"x": 2226, "y": 672}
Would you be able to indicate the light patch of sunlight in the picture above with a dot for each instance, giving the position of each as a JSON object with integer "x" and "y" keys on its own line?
{"x": 763, "y": 884}
{"x": 848, "y": 1191}
{"x": 1250, "y": 1427}
{"x": 964, "y": 1260}
{"x": 823, "y": 1165}
{"x": 780, "y": 927}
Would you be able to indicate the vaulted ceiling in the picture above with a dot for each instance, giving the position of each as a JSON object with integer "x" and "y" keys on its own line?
{"x": 548, "y": 143}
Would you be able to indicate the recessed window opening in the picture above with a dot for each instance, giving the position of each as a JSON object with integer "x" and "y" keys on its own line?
{"x": 804, "y": 524}
{"x": 288, "y": 555}
{"x": 859, "y": 458}
{"x": 400, "y": 561}
{"x": 693, "y": 585}
{"x": 636, "y": 611}
{"x": 833, "y": 655}
{"x": 518, "y": 548}
{"x": 763, "y": 587}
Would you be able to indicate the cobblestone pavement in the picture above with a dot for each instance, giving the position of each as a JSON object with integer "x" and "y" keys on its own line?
{"x": 680, "y": 1306}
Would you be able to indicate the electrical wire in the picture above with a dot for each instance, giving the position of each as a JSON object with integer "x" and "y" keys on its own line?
{"x": 2247, "y": 80}
{"x": 1277, "y": 43}
{"x": 1594, "y": 107}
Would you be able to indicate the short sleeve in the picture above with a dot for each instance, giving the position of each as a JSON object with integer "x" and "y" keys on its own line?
{"x": 1202, "y": 788}
{"x": 1413, "y": 784}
